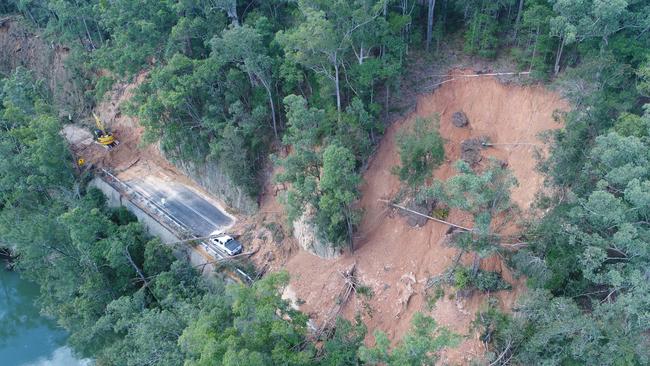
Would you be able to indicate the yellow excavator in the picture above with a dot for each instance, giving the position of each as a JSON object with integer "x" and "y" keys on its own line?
{"x": 103, "y": 136}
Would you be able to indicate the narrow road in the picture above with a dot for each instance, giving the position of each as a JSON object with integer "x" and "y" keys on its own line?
{"x": 184, "y": 204}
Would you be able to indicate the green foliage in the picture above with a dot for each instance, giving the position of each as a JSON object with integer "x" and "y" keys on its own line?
{"x": 479, "y": 193}
{"x": 643, "y": 87}
{"x": 462, "y": 278}
{"x": 589, "y": 250}
{"x": 432, "y": 299}
{"x": 338, "y": 187}
{"x": 481, "y": 37}
{"x": 365, "y": 291}
{"x": 341, "y": 349}
{"x": 629, "y": 124}
{"x": 484, "y": 195}
{"x": 182, "y": 96}
{"x": 216, "y": 72}
{"x": 440, "y": 213}
{"x": 276, "y": 231}
{"x": 138, "y": 30}
{"x": 535, "y": 45}
{"x": 326, "y": 181}
{"x": 489, "y": 281}
{"x": 302, "y": 165}
{"x": 36, "y": 165}
{"x": 484, "y": 281}
{"x": 418, "y": 347}
{"x": 249, "y": 326}
{"x": 421, "y": 151}
{"x": 556, "y": 331}
{"x": 125, "y": 299}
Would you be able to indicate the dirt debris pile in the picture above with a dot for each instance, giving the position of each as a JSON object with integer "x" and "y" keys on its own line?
{"x": 470, "y": 150}
{"x": 459, "y": 119}
{"x": 406, "y": 292}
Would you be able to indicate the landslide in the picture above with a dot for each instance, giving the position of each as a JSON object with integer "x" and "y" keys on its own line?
{"x": 394, "y": 259}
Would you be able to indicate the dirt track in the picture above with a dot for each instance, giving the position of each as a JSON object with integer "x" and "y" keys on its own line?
{"x": 390, "y": 253}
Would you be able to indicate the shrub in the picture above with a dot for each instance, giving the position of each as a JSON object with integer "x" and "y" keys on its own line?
{"x": 489, "y": 281}
{"x": 483, "y": 280}
{"x": 421, "y": 150}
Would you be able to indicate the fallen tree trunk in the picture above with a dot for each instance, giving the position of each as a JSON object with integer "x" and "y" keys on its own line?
{"x": 427, "y": 216}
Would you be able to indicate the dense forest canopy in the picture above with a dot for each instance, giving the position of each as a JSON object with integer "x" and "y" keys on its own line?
{"x": 232, "y": 81}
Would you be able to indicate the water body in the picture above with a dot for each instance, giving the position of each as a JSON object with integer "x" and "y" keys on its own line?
{"x": 26, "y": 337}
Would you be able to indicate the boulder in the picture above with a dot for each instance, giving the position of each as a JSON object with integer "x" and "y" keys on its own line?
{"x": 306, "y": 233}
{"x": 414, "y": 220}
{"x": 459, "y": 119}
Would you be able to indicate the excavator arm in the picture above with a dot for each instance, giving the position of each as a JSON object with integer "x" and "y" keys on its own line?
{"x": 102, "y": 136}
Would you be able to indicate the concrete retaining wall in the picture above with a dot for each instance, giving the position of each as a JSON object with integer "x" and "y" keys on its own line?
{"x": 115, "y": 199}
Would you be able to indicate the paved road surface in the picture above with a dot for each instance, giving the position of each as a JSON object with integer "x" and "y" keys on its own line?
{"x": 187, "y": 206}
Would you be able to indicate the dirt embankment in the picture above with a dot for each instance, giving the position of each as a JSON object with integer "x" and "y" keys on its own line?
{"x": 21, "y": 47}
{"x": 394, "y": 259}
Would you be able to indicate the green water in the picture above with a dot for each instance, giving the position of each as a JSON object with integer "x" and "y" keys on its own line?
{"x": 26, "y": 337}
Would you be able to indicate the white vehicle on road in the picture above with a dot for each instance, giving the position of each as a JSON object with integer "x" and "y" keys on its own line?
{"x": 227, "y": 244}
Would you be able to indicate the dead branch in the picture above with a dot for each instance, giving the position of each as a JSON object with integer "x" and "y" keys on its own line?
{"x": 505, "y": 351}
{"x": 135, "y": 267}
{"x": 488, "y": 144}
{"x": 226, "y": 259}
{"x": 486, "y": 74}
{"x": 191, "y": 240}
{"x": 350, "y": 285}
{"x": 457, "y": 77}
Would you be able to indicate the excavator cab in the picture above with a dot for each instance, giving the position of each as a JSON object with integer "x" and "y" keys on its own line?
{"x": 103, "y": 136}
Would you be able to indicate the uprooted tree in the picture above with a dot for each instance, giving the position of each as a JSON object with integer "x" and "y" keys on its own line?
{"x": 484, "y": 195}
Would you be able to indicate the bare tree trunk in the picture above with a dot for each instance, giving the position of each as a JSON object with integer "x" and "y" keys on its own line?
{"x": 432, "y": 5}
{"x": 386, "y": 104}
{"x": 277, "y": 92}
{"x": 268, "y": 92}
{"x": 135, "y": 266}
{"x": 232, "y": 12}
{"x": 532, "y": 58}
{"x": 558, "y": 56}
{"x": 476, "y": 264}
{"x": 99, "y": 33}
{"x": 90, "y": 38}
{"x": 350, "y": 232}
{"x": 338, "y": 89}
{"x": 521, "y": 7}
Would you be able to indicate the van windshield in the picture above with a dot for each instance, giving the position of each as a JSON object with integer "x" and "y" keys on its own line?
{"x": 231, "y": 244}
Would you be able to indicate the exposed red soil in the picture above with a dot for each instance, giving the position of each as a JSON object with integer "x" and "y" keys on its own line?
{"x": 270, "y": 254}
{"x": 390, "y": 253}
